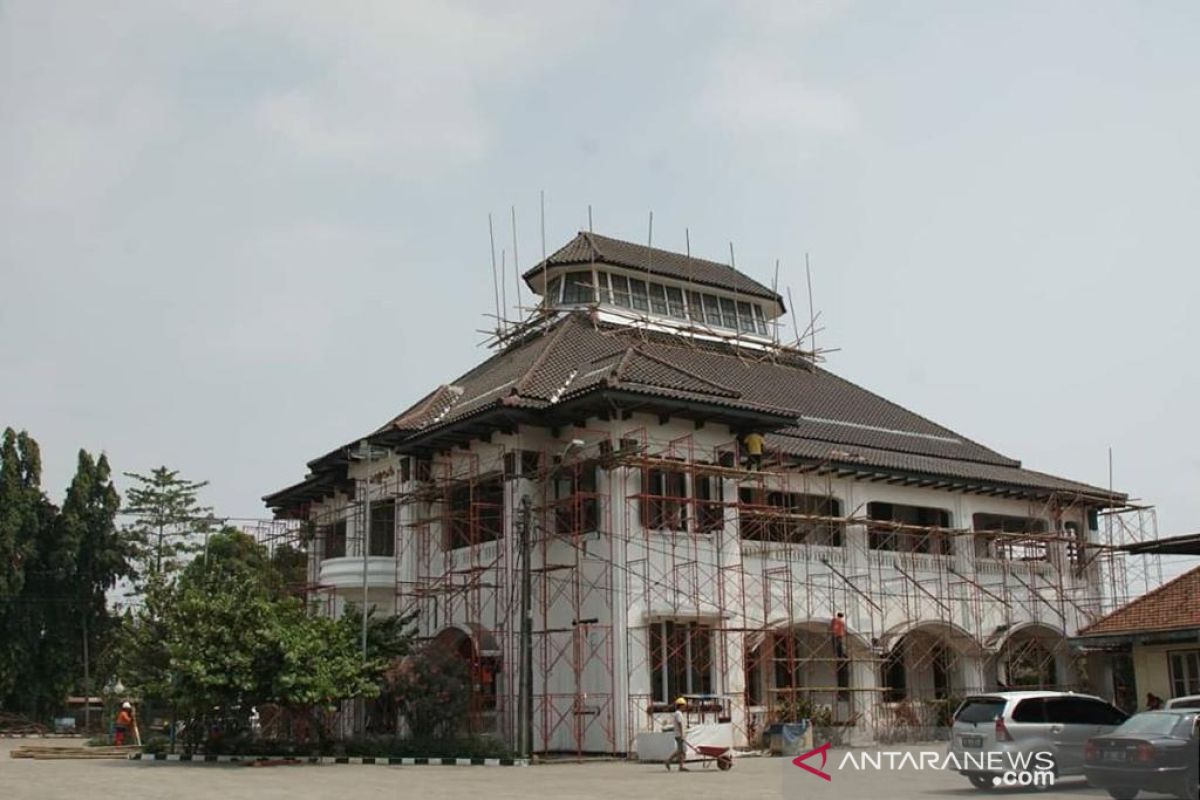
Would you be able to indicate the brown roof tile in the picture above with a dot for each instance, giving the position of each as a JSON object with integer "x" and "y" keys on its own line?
{"x": 834, "y": 420}
{"x": 821, "y": 417}
{"x": 1172, "y": 606}
{"x": 592, "y": 248}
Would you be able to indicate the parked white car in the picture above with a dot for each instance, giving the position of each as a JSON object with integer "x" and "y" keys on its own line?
{"x": 1042, "y": 729}
{"x": 1191, "y": 701}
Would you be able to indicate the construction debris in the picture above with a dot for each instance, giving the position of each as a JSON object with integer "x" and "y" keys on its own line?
{"x": 64, "y": 752}
{"x": 16, "y": 725}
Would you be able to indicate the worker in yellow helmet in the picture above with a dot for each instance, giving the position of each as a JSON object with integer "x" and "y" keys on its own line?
{"x": 680, "y": 727}
{"x": 754, "y": 450}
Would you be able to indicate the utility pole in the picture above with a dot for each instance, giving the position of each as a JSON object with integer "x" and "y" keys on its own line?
{"x": 366, "y": 453}
{"x": 366, "y": 544}
{"x": 525, "y": 726}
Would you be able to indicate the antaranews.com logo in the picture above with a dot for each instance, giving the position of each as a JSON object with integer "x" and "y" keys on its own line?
{"x": 1025, "y": 770}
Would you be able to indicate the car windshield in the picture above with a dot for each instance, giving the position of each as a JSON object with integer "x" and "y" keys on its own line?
{"x": 980, "y": 709}
{"x": 1153, "y": 722}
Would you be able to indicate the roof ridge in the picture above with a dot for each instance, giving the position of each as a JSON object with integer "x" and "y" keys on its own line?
{"x": 1195, "y": 571}
{"x": 416, "y": 409}
{"x": 523, "y": 381}
{"x": 590, "y": 238}
{"x": 619, "y": 370}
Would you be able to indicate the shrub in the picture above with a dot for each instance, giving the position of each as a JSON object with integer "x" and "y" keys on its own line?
{"x": 357, "y": 747}
{"x": 432, "y": 688}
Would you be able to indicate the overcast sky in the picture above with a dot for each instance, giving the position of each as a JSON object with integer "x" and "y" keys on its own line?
{"x": 237, "y": 235}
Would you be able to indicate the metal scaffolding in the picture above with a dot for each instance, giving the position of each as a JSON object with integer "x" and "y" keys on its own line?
{"x": 663, "y": 567}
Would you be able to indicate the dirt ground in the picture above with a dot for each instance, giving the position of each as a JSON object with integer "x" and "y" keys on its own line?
{"x": 22, "y": 779}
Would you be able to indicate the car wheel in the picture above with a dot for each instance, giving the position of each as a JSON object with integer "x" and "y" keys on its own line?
{"x": 981, "y": 781}
{"x": 1045, "y": 786}
{"x": 1122, "y": 793}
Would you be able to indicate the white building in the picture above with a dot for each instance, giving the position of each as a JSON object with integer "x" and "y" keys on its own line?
{"x": 661, "y": 565}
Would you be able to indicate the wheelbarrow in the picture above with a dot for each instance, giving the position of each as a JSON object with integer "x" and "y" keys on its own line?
{"x": 712, "y": 752}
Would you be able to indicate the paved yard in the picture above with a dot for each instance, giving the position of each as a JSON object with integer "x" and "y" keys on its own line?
{"x": 751, "y": 778}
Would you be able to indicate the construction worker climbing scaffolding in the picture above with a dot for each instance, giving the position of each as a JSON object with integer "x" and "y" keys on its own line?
{"x": 754, "y": 450}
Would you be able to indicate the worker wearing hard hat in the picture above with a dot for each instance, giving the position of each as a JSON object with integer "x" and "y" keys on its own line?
{"x": 754, "y": 442}
{"x": 123, "y": 724}
{"x": 679, "y": 723}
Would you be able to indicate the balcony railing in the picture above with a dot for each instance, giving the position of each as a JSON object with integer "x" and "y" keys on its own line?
{"x": 347, "y": 571}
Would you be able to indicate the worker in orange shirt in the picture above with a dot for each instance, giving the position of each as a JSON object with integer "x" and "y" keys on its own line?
{"x": 123, "y": 724}
{"x": 837, "y": 629}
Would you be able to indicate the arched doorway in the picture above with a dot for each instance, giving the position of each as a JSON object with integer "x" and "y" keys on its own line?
{"x": 794, "y": 672}
{"x": 930, "y": 661}
{"x": 1032, "y": 656}
{"x": 927, "y": 667}
{"x": 478, "y": 650}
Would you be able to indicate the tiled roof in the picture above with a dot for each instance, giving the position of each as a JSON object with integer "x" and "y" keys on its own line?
{"x": 968, "y": 473}
{"x": 592, "y": 248}
{"x": 822, "y": 417}
{"x": 1174, "y": 605}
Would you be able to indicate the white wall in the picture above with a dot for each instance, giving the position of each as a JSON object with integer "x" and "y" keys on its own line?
{"x": 593, "y": 694}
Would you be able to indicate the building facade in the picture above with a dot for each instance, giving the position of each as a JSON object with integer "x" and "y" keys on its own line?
{"x": 608, "y": 437}
{"x": 1150, "y": 646}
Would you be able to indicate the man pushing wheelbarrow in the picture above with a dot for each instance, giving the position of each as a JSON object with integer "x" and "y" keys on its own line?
{"x": 682, "y": 745}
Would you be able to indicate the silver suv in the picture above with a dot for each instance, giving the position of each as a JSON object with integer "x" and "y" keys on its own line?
{"x": 1035, "y": 731}
{"x": 1191, "y": 701}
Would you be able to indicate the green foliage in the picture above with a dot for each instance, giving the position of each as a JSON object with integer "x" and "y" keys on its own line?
{"x": 142, "y": 659}
{"x": 943, "y": 710}
{"x": 795, "y": 707}
{"x": 433, "y": 692}
{"x": 291, "y": 565}
{"x": 224, "y": 638}
{"x": 22, "y": 517}
{"x": 169, "y": 522}
{"x": 101, "y": 558}
{"x": 230, "y": 556}
{"x": 360, "y": 746}
{"x": 55, "y": 567}
{"x": 221, "y": 648}
{"x": 155, "y": 743}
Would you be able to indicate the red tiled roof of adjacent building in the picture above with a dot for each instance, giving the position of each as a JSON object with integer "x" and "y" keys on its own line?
{"x": 1173, "y": 606}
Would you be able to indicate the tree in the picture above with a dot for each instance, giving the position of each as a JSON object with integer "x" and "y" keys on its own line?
{"x": 31, "y": 567}
{"x": 101, "y": 557}
{"x": 225, "y": 637}
{"x": 20, "y": 471}
{"x": 69, "y": 558}
{"x": 142, "y": 661}
{"x": 291, "y": 564}
{"x": 322, "y": 665}
{"x": 229, "y": 555}
{"x": 223, "y": 649}
{"x": 168, "y": 521}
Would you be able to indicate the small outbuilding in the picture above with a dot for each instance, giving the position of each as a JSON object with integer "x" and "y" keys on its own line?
{"x": 1150, "y": 645}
